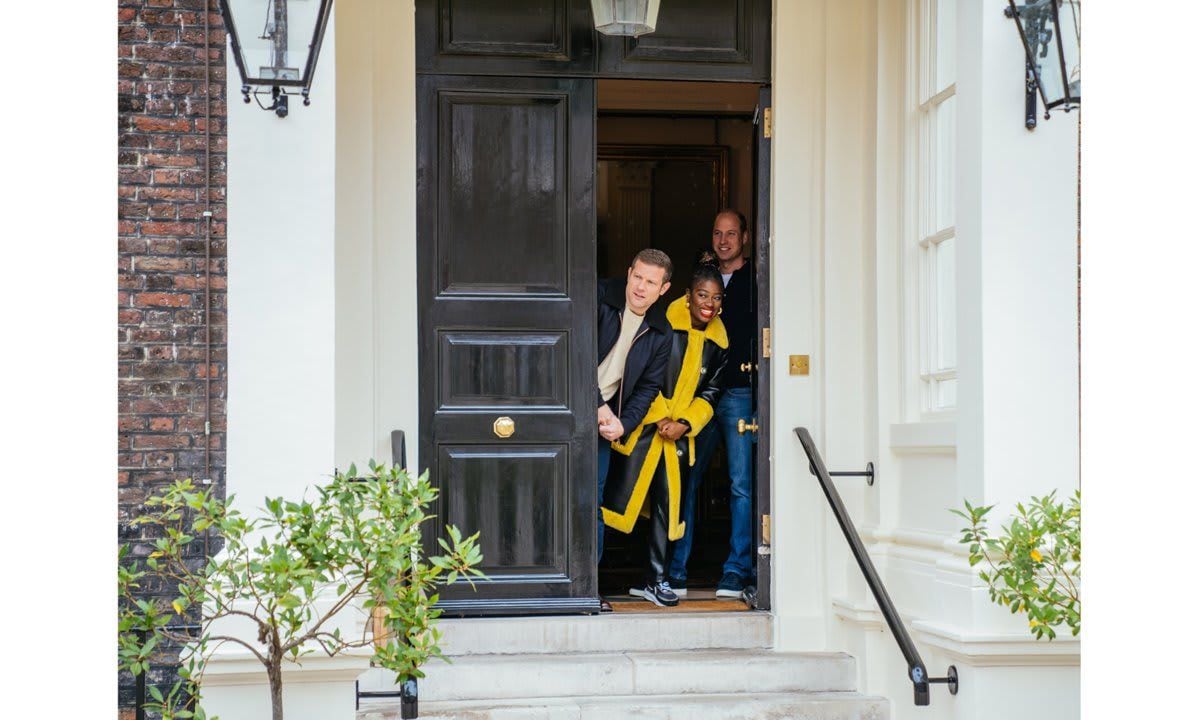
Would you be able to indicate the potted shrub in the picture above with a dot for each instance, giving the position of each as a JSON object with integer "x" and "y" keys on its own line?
{"x": 290, "y": 572}
{"x": 1033, "y": 566}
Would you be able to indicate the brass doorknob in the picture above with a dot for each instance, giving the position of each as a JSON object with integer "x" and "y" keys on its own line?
{"x": 504, "y": 427}
{"x": 743, "y": 426}
{"x": 747, "y": 367}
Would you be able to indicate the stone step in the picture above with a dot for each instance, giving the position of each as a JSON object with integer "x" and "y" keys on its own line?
{"x": 737, "y": 706}
{"x": 543, "y": 675}
{"x": 615, "y": 632}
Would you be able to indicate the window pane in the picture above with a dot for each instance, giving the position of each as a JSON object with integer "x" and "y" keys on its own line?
{"x": 943, "y": 159}
{"x": 946, "y": 339}
{"x": 945, "y": 394}
{"x": 943, "y": 66}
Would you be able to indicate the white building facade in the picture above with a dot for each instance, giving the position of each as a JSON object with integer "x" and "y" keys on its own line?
{"x": 923, "y": 254}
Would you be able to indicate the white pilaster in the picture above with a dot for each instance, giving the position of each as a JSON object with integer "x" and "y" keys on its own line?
{"x": 1018, "y": 421}
{"x": 281, "y": 290}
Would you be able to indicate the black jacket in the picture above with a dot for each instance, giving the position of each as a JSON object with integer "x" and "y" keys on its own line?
{"x": 647, "y": 359}
{"x": 740, "y": 316}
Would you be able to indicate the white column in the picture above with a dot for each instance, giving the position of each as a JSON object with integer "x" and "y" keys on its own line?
{"x": 797, "y": 236}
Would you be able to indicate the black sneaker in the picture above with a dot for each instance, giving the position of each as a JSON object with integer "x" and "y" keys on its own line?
{"x": 678, "y": 586}
{"x": 730, "y": 587}
{"x": 661, "y": 594}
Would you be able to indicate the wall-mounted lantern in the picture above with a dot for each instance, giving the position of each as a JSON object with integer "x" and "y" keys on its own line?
{"x": 1049, "y": 31}
{"x": 279, "y": 58}
{"x": 629, "y": 18}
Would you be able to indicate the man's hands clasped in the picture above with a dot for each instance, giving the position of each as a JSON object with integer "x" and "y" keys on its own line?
{"x": 609, "y": 424}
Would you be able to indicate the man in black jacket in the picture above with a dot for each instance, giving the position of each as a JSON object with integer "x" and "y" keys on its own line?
{"x": 739, "y": 315}
{"x": 633, "y": 341}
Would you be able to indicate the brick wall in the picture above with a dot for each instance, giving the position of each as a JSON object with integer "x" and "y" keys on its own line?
{"x": 163, "y": 378}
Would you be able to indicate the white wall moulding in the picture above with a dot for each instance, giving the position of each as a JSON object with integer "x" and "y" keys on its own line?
{"x": 863, "y": 615}
{"x": 318, "y": 687}
{"x": 923, "y": 437}
{"x": 998, "y": 649}
{"x": 322, "y": 688}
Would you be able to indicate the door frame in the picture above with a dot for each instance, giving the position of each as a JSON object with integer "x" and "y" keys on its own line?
{"x": 585, "y": 67}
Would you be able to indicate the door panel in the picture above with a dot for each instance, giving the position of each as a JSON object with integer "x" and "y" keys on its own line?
{"x": 512, "y": 37}
{"x": 507, "y": 304}
{"x": 696, "y": 40}
{"x": 516, "y": 492}
{"x": 503, "y": 369}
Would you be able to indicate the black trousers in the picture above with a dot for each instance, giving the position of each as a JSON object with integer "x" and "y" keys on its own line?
{"x": 656, "y": 553}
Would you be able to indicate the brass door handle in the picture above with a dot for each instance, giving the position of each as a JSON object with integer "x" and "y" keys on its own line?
{"x": 504, "y": 427}
{"x": 747, "y": 367}
{"x": 743, "y": 426}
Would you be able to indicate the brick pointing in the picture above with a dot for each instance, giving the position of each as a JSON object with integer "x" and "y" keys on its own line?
{"x": 162, "y": 51}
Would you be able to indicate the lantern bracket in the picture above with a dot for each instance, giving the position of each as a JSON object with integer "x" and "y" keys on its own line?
{"x": 1038, "y": 40}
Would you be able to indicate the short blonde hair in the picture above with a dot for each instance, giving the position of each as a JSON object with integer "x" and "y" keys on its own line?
{"x": 657, "y": 258}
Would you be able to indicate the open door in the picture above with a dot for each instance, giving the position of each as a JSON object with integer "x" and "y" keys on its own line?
{"x": 762, "y": 269}
{"x": 506, "y": 300}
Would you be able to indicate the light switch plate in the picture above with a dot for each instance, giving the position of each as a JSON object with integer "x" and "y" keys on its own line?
{"x": 797, "y": 364}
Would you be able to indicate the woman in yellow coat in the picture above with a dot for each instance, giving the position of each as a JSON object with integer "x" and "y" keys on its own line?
{"x": 648, "y": 459}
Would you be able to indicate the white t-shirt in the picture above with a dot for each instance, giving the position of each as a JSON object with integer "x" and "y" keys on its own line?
{"x": 612, "y": 368}
{"x": 725, "y": 278}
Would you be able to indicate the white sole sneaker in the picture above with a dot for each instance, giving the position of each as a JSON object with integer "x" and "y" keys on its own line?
{"x": 729, "y": 594}
{"x": 646, "y": 596}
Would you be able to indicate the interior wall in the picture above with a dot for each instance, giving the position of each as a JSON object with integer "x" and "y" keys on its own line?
{"x": 736, "y": 134}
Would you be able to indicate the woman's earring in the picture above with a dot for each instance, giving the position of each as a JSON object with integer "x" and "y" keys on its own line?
{"x": 687, "y": 303}
{"x": 720, "y": 310}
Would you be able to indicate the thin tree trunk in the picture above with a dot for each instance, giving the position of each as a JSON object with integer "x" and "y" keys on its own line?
{"x": 275, "y": 678}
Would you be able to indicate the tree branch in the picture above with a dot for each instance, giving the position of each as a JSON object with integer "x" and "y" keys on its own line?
{"x": 337, "y": 607}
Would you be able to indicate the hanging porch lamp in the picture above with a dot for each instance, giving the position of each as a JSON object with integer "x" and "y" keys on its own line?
{"x": 627, "y": 18}
{"x": 1049, "y": 31}
{"x": 275, "y": 45}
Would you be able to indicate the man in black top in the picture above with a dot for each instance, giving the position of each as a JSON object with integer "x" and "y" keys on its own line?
{"x": 729, "y": 238}
{"x": 633, "y": 340}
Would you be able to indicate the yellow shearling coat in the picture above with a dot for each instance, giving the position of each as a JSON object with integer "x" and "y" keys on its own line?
{"x": 691, "y": 386}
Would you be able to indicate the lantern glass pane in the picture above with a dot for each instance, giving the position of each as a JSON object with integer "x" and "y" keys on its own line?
{"x": 1049, "y": 25}
{"x": 274, "y": 36}
{"x": 1068, "y": 19}
{"x": 629, "y": 18}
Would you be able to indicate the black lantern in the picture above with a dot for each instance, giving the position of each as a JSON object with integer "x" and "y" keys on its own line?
{"x": 282, "y": 56}
{"x": 629, "y": 18}
{"x": 1049, "y": 31}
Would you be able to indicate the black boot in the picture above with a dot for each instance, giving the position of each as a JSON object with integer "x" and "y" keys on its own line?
{"x": 656, "y": 589}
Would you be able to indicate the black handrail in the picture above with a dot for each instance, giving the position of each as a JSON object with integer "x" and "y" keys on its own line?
{"x": 916, "y": 666}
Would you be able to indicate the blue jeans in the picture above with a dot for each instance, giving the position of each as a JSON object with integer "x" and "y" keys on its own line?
{"x": 735, "y": 403}
{"x": 603, "y": 456}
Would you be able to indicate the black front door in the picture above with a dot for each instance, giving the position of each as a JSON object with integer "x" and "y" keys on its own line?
{"x": 506, "y": 253}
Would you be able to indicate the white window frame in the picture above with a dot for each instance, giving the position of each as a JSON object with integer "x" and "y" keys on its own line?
{"x": 924, "y": 374}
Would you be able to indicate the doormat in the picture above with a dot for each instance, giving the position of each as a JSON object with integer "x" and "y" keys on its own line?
{"x": 637, "y": 605}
